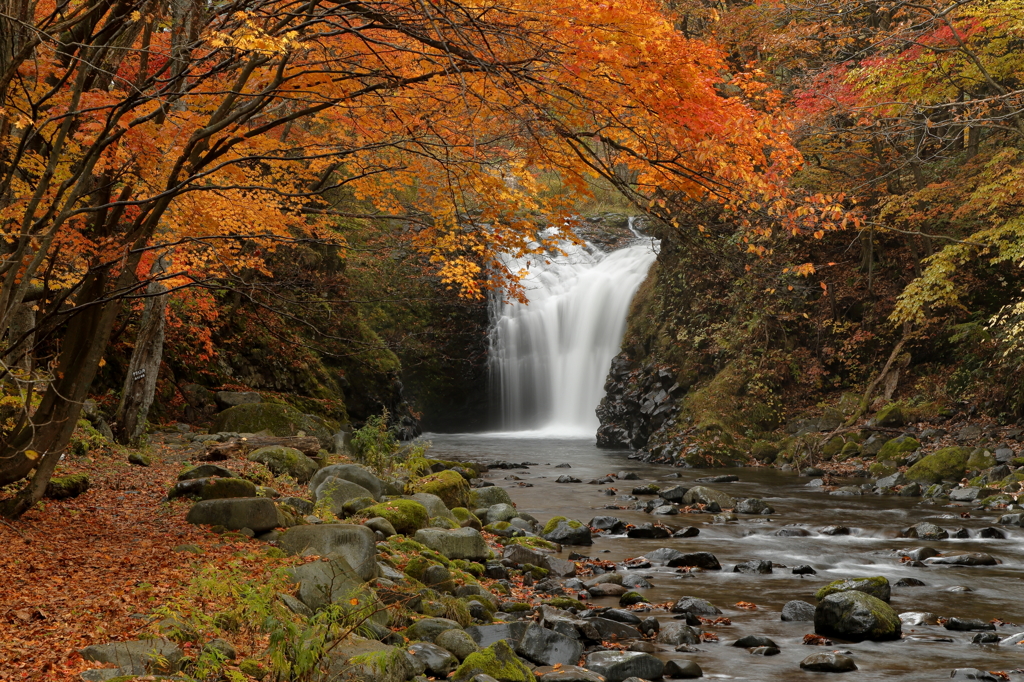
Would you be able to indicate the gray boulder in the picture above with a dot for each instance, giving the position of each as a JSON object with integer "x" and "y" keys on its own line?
{"x": 136, "y": 657}
{"x": 434, "y": 504}
{"x": 705, "y": 560}
{"x": 612, "y": 630}
{"x": 682, "y": 670}
{"x": 757, "y": 566}
{"x": 616, "y": 666}
{"x": 366, "y": 660}
{"x": 569, "y": 532}
{"x": 212, "y": 488}
{"x": 322, "y": 583}
{"x": 673, "y": 494}
{"x": 462, "y": 543}
{"x": 354, "y": 474}
{"x": 829, "y": 662}
{"x": 663, "y": 555}
{"x": 966, "y": 559}
{"x": 334, "y": 492}
{"x": 357, "y": 545}
{"x": 696, "y": 606}
{"x": 547, "y": 647}
{"x": 797, "y": 610}
{"x": 226, "y": 399}
{"x": 703, "y": 495}
{"x": 458, "y": 642}
{"x": 567, "y": 673}
{"x": 753, "y": 505}
{"x": 284, "y": 461}
{"x": 428, "y": 629}
{"x": 856, "y": 616}
{"x": 206, "y": 471}
{"x": 500, "y": 512}
{"x": 435, "y": 660}
{"x": 488, "y": 497}
{"x": 676, "y": 632}
{"x": 486, "y": 635}
{"x": 258, "y": 514}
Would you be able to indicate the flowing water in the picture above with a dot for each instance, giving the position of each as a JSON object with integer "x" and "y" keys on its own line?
{"x": 997, "y": 591}
{"x": 549, "y": 358}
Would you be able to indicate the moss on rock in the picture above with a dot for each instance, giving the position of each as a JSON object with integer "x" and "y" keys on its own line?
{"x": 64, "y": 487}
{"x": 877, "y": 587}
{"x": 449, "y": 485}
{"x": 498, "y": 660}
{"x": 532, "y": 542}
{"x": 882, "y": 469}
{"x": 552, "y": 524}
{"x": 833, "y": 447}
{"x": 980, "y": 459}
{"x": 285, "y": 461}
{"x": 565, "y": 603}
{"x": 947, "y": 464}
{"x": 896, "y": 448}
{"x": 407, "y": 516}
{"x": 443, "y": 522}
{"x": 466, "y": 518}
{"x": 891, "y": 415}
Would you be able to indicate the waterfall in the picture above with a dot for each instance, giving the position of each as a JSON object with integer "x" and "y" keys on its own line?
{"x": 549, "y": 358}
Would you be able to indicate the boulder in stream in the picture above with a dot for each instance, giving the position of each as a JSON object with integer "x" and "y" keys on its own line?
{"x": 829, "y": 662}
{"x": 877, "y": 587}
{"x": 567, "y": 532}
{"x": 856, "y": 616}
{"x": 797, "y": 610}
{"x": 616, "y": 666}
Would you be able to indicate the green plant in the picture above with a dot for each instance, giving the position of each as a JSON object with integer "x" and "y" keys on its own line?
{"x": 376, "y": 446}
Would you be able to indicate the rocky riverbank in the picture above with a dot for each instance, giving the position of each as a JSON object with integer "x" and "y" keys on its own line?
{"x": 446, "y": 574}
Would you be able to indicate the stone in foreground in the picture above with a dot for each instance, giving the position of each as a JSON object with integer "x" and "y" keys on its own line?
{"x": 856, "y": 616}
{"x": 462, "y": 543}
{"x": 828, "y": 663}
{"x": 258, "y": 514}
{"x": 499, "y": 661}
{"x": 547, "y": 647}
{"x": 683, "y": 670}
{"x": 619, "y": 665}
{"x": 136, "y": 657}
{"x": 356, "y": 544}
{"x": 877, "y": 587}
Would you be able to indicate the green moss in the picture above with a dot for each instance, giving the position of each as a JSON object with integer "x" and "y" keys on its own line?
{"x": 280, "y": 420}
{"x": 896, "y": 448}
{"x": 833, "y": 447}
{"x": 498, "y": 660}
{"x": 284, "y": 461}
{"x": 877, "y": 587}
{"x": 357, "y": 505}
{"x": 531, "y": 542}
{"x": 443, "y": 522}
{"x": 466, "y": 518}
{"x": 140, "y": 459}
{"x": 64, "y": 487}
{"x": 764, "y": 451}
{"x": 891, "y": 415}
{"x": 497, "y": 526}
{"x": 449, "y": 485}
{"x": 851, "y": 449}
{"x": 551, "y": 525}
{"x": 565, "y": 603}
{"x": 407, "y": 516}
{"x": 471, "y": 567}
{"x": 517, "y": 607}
{"x": 980, "y": 459}
{"x": 881, "y": 469}
{"x": 253, "y": 668}
{"x": 947, "y": 464}
{"x": 631, "y": 598}
{"x": 537, "y": 572}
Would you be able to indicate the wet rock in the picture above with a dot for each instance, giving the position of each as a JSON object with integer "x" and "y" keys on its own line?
{"x": 568, "y": 673}
{"x": 663, "y": 555}
{"x": 829, "y": 662}
{"x": 726, "y": 478}
{"x": 435, "y": 660}
{"x": 688, "y": 532}
{"x": 972, "y": 674}
{"x": 959, "y": 533}
{"x": 911, "y": 490}
{"x": 565, "y": 478}
{"x": 985, "y": 638}
{"x": 486, "y": 635}
{"x": 498, "y": 661}
{"x": 877, "y": 587}
{"x": 797, "y": 610}
{"x": 835, "y": 530}
{"x": 918, "y": 618}
{"x": 925, "y": 531}
{"x": 1011, "y": 519}
{"x": 648, "y": 531}
{"x": 758, "y": 566}
{"x": 791, "y": 532}
{"x": 803, "y": 570}
{"x": 645, "y": 490}
{"x": 908, "y": 582}
{"x": 704, "y": 560}
{"x": 703, "y": 495}
{"x": 967, "y": 625}
{"x": 611, "y": 524}
{"x": 456, "y": 641}
{"x": 752, "y": 641}
{"x": 547, "y": 647}
{"x": 856, "y": 616}
{"x": 607, "y": 590}
{"x": 650, "y": 626}
{"x": 892, "y": 480}
{"x": 682, "y": 670}
{"x": 567, "y": 532}
{"x": 968, "y": 559}
{"x": 696, "y": 606}
{"x": 616, "y": 666}
{"x": 676, "y": 633}
{"x": 673, "y": 494}
{"x": 612, "y": 630}
{"x": 632, "y": 598}
{"x": 753, "y": 505}
{"x": 919, "y": 553}
{"x": 633, "y": 580}
{"x": 992, "y": 533}
{"x": 847, "y": 490}
{"x": 622, "y": 616}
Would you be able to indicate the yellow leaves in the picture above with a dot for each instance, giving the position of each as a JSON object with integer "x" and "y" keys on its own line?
{"x": 31, "y": 455}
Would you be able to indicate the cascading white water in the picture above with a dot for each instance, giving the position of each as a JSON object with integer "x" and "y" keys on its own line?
{"x": 549, "y": 358}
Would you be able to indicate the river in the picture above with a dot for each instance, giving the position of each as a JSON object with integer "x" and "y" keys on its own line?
{"x": 875, "y": 521}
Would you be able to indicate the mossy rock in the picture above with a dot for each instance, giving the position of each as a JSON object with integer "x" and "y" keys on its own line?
{"x": 566, "y": 603}
{"x": 516, "y": 607}
{"x": 471, "y": 567}
{"x": 487, "y": 497}
{"x": 897, "y": 448}
{"x": 833, "y": 447}
{"x": 980, "y": 459}
{"x": 65, "y": 487}
{"x": 284, "y": 461}
{"x": 850, "y": 449}
{"x": 354, "y": 506}
{"x": 553, "y": 523}
{"x": 891, "y": 415}
{"x": 253, "y": 668}
{"x": 449, "y": 485}
{"x": 877, "y": 587}
{"x": 140, "y": 459}
{"x": 947, "y": 464}
{"x": 443, "y": 522}
{"x": 631, "y": 598}
{"x": 416, "y": 567}
{"x": 498, "y": 660}
{"x": 532, "y": 542}
{"x": 882, "y": 469}
{"x": 280, "y": 420}
{"x": 466, "y": 518}
{"x": 764, "y": 451}
{"x": 406, "y": 516}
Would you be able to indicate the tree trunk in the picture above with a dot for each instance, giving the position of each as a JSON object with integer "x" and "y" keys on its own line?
{"x": 140, "y": 381}
{"x": 40, "y": 444}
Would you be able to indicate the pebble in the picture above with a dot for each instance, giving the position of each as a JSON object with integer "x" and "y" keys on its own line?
{"x": 828, "y": 663}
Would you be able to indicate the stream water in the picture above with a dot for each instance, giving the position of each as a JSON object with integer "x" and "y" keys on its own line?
{"x": 875, "y": 521}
